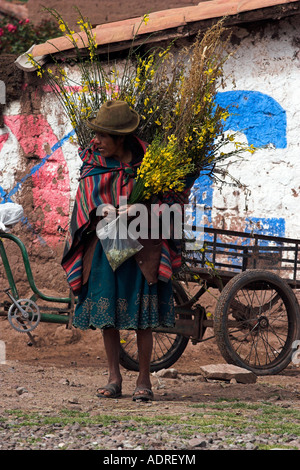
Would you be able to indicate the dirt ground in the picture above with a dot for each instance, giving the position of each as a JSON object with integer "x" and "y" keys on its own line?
{"x": 66, "y": 367}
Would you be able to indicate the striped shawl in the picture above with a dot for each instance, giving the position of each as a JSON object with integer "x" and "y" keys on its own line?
{"x": 103, "y": 181}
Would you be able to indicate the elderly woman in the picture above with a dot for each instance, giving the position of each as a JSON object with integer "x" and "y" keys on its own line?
{"x": 138, "y": 294}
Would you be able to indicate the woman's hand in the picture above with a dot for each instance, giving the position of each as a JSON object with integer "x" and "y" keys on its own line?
{"x": 124, "y": 209}
{"x": 107, "y": 211}
{"x": 130, "y": 210}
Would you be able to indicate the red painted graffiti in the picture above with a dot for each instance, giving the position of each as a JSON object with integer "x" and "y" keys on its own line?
{"x": 3, "y": 139}
{"x": 51, "y": 184}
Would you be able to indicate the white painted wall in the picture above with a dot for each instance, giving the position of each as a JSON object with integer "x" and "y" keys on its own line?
{"x": 268, "y": 63}
{"x": 264, "y": 63}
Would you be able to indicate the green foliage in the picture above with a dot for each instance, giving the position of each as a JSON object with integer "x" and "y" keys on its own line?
{"x": 16, "y": 37}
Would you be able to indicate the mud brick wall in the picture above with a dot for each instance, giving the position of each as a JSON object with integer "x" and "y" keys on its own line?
{"x": 103, "y": 11}
{"x": 39, "y": 165}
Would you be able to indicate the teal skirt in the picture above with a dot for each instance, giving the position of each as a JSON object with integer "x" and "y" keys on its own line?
{"x": 122, "y": 299}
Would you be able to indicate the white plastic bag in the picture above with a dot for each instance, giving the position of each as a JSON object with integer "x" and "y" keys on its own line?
{"x": 10, "y": 214}
{"x": 117, "y": 243}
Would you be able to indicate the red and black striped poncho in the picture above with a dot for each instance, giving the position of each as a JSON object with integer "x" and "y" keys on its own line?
{"x": 103, "y": 181}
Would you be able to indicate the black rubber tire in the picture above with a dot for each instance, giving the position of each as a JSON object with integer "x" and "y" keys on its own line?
{"x": 167, "y": 347}
{"x": 257, "y": 322}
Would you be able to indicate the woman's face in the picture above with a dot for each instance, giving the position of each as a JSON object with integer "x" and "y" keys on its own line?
{"x": 107, "y": 145}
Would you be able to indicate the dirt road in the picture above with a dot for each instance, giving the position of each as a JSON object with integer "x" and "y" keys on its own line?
{"x": 66, "y": 368}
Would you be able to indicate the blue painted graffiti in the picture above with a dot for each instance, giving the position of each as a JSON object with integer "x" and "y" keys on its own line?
{"x": 271, "y": 227}
{"x": 258, "y": 116}
{"x": 263, "y": 121}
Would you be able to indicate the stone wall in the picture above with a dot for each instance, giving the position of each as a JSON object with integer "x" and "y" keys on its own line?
{"x": 39, "y": 165}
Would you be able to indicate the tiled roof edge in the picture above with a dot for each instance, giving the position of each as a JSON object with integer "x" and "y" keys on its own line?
{"x": 127, "y": 30}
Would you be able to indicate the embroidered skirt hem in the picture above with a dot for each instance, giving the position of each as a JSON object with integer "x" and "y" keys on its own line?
{"x": 122, "y": 299}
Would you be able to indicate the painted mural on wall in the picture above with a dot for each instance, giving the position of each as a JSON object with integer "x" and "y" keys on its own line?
{"x": 50, "y": 179}
{"x": 265, "y": 110}
{"x": 263, "y": 122}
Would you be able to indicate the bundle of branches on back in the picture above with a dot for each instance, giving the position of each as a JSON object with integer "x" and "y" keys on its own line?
{"x": 174, "y": 93}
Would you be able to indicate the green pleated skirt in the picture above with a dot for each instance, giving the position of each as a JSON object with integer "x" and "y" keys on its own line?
{"x": 122, "y": 299}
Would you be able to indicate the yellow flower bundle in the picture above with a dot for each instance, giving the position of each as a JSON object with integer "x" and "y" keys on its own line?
{"x": 163, "y": 168}
{"x": 173, "y": 93}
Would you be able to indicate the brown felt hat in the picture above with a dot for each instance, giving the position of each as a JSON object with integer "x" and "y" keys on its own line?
{"x": 115, "y": 117}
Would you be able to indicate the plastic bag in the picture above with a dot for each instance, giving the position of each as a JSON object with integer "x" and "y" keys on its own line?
{"x": 10, "y": 214}
{"x": 117, "y": 242}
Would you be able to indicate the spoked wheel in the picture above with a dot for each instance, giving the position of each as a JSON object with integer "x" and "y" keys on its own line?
{"x": 257, "y": 321}
{"x": 167, "y": 347}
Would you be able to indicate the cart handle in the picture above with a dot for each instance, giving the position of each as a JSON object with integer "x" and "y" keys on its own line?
{"x": 28, "y": 270}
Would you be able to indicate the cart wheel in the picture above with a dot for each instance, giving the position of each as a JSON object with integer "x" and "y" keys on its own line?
{"x": 257, "y": 321}
{"x": 167, "y": 347}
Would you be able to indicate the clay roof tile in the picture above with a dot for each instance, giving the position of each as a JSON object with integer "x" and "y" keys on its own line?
{"x": 160, "y": 21}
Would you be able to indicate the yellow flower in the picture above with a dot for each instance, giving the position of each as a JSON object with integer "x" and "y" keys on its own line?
{"x": 83, "y": 26}
{"x": 146, "y": 19}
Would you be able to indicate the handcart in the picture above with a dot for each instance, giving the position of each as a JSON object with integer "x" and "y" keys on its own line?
{"x": 256, "y": 321}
